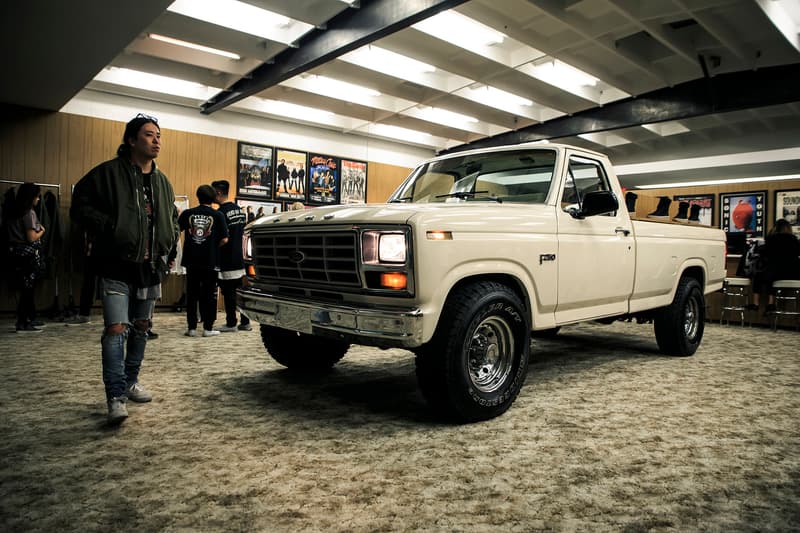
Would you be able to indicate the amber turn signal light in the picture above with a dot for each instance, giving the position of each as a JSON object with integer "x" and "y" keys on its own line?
{"x": 251, "y": 270}
{"x": 393, "y": 280}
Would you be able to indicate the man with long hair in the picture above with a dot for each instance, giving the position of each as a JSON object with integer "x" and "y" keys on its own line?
{"x": 128, "y": 205}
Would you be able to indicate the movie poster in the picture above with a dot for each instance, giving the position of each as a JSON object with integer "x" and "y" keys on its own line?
{"x": 701, "y": 207}
{"x": 353, "y": 182}
{"x": 323, "y": 179}
{"x": 787, "y": 205}
{"x": 289, "y": 177}
{"x": 255, "y": 209}
{"x": 743, "y": 212}
{"x": 254, "y": 173}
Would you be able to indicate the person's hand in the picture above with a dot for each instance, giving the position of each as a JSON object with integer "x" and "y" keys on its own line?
{"x": 171, "y": 264}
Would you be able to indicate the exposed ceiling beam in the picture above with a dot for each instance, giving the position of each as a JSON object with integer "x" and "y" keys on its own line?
{"x": 348, "y": 31}
{"x": 703, "y": 96}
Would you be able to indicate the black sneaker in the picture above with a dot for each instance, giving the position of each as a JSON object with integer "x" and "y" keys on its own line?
{"x": 245, "y": 327}
{"x": 151, "y": 334}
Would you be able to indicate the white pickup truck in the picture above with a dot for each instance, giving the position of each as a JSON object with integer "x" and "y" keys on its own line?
{"x": 474, "y": 252}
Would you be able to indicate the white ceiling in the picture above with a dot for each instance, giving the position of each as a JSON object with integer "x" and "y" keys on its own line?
{"x": 707, "y": 77}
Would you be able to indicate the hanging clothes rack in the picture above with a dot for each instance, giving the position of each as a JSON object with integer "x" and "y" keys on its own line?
{"x": 15, "y": 182}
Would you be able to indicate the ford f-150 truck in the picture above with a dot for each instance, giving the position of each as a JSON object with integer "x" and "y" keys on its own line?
{"x": 470, "y": 255}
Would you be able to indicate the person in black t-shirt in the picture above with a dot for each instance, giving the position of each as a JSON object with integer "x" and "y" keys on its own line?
{"x": 231, "y": 261}
{"x": 205, "y": 231}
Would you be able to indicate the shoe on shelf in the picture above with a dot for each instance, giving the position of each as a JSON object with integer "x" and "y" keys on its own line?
{"x": 227, "y": 329}
{"x": 210, "y": 332}
{"x": 77, "y": 320}
{"x": 117, "y": 410}
{"x": 751, "y": 307}
{"x": 151, "y": 335}
{"x": 137, "y": 393}
{"x": 245, "y": 327}
{"x": 191, "y": 333}
{"x": 28, "y": 328}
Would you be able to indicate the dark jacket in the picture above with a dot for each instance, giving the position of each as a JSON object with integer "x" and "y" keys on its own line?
{"x": 108, "y": 202}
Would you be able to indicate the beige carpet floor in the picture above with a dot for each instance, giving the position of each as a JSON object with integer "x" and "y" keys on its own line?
{"x": 607, "y": 435}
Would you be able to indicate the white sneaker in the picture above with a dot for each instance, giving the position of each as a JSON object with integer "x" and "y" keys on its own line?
{"x": 117, "y": 410}
{"x": 191, "y": 333}
{"x": 139, "y": 394}
{"x": 227, "y": 329}
{"x": 210, "y": 332}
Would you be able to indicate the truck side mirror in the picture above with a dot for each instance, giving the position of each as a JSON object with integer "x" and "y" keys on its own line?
{"x": 597, "y": 203}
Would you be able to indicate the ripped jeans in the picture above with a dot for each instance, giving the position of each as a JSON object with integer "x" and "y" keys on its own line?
{"x": 133, "y": 308}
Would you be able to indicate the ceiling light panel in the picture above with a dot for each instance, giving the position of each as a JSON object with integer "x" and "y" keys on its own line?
{"x": 243, "y": 17}
{"x": 665, "y": 129}
{"x": 156, "y": 83}
{"x": 572, "y": 80}
{"x": 508, "y": 102}
{"x": 194, "y": 46}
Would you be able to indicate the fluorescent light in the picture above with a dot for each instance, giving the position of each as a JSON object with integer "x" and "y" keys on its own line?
{"x": 289, "y": 111}
{"x": 243, "y": 17}
{"x": 718, "y": 182}
{"x": 156, "y": 83}
{"x": 402, "y": 134}
{"x": 194, "y": 46}
{"x": 666, "y": 129}
{"x": 382, "y": 60}
{"x": 443, "y": 116}
{"x": 339, "y": 89}
{"x": 493, "y": 97}
{"x": 449, "y": 25}
{"x": 563, "y": 76}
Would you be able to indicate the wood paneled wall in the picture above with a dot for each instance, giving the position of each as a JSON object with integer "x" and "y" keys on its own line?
{"x": 648, "y": 198}
{"x": 60, "y": 148}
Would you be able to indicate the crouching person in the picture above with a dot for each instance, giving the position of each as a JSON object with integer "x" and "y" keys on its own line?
{"x": 129, "y": 205}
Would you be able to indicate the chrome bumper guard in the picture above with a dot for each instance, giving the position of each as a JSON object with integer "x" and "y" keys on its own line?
{"x": 373, "y": 326}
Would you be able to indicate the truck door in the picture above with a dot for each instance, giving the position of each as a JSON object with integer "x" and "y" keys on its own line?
{"x": 596, "y": 255}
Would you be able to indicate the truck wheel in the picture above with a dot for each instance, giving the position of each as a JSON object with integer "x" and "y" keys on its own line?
{"x": 679, "y": 326}
{"x": 300, "y": 351}
{"x": 474, "y": 366}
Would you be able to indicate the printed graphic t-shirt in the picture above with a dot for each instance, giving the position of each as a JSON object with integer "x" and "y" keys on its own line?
{"x": 203, "y": 228}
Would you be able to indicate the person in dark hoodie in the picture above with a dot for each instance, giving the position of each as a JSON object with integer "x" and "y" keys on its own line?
{"x": 128, "y": 205}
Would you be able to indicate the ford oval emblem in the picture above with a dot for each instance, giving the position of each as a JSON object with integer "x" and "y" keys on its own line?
{"x": 297, "y": 257}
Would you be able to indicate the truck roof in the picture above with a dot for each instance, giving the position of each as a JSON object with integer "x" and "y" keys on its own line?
{"x": 535, "y": 144}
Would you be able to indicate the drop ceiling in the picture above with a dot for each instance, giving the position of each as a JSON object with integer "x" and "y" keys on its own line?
{"x": 648, "y": 82}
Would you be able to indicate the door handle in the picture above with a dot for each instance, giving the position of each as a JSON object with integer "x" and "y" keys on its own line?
{"x": 622, "y": 230}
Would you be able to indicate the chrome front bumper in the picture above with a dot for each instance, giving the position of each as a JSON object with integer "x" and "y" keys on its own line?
{"x": 371, "y": 326}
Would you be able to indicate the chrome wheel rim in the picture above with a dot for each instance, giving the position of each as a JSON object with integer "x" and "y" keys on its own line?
{"x": 490, "y": 354}
{"x": 691, "y": 318}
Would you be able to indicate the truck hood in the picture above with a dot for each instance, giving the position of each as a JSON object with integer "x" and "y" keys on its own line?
{"x": 404, "y": 214}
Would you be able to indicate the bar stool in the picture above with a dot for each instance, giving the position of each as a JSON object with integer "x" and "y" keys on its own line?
{"x": 735, "y": 295}
{"x": 787, "y": 301}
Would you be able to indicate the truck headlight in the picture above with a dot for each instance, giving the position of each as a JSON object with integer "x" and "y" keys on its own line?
{"x": 247, "y": 246}
{"x": 383, "y": 247}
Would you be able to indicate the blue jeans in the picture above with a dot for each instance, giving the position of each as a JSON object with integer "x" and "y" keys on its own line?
{"x": 126, "y": 305}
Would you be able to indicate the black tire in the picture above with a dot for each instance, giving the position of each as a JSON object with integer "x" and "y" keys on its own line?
{"x": 679, "y": 326}
{"x": 474, "y": 366}
{"x": 300, "y": 351}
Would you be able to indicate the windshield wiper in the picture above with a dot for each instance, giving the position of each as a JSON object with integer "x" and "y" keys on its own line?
{"x": 469, "y": 194}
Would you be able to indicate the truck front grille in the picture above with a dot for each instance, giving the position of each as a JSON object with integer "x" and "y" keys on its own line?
{"x": 307, "y": 258}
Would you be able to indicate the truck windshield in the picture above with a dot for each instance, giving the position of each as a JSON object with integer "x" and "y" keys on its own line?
{"x": 502, "y": 176}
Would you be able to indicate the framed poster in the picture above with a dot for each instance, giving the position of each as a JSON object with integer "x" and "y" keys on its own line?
{"x": 290, "y": 175}
{"x": 323, "y": 179}
{"x": 256, "y": 208}
{"x": 743, "y": 212}
{"x": 254, "y": 172}
{"x": 354, "y": 182}
{"x": 787, "y": 205}
{"x": 705, "y": 207}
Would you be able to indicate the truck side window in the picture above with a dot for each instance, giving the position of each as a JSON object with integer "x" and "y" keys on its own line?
{"x": 583, "y": 176}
